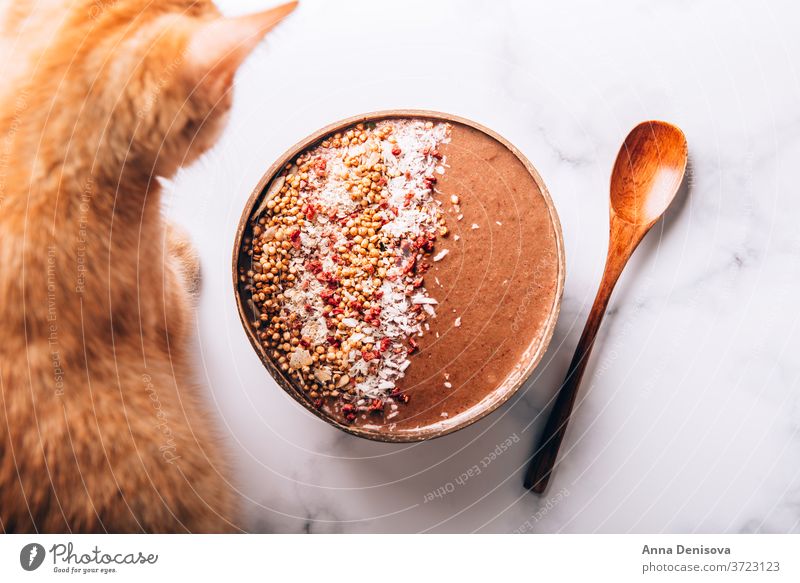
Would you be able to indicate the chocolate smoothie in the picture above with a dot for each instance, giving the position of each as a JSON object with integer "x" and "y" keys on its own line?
{"x": 484, "y": 288}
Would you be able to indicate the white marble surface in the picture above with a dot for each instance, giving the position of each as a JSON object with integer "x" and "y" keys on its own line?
{"x": 690, "y": 415}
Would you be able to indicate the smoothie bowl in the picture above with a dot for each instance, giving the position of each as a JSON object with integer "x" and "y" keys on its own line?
{"x": 400, "y": 273}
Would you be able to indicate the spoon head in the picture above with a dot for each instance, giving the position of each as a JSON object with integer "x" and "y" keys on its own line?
{"x": 648, "y": 172}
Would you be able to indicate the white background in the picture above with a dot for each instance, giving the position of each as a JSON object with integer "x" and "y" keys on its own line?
{"x": 691, "y": 417}
{"x": 486, "y": 558}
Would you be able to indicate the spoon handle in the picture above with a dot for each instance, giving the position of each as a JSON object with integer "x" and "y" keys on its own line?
{"x": 624, "y": 237}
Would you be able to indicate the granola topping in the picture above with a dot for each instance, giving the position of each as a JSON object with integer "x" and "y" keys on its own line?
{"x": 341, "y": 243}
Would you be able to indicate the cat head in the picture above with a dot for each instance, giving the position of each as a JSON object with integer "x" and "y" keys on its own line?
{"x": 149, "y": 83}
{"x": 198, "y": 97}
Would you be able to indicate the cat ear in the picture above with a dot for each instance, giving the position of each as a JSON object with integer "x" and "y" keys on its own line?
{"x": 218, "y": 47}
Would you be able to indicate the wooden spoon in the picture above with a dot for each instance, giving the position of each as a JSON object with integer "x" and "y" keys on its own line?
{"x": 647, "y": 174}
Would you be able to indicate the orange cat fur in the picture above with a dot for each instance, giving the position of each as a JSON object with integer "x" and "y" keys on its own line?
{"x": 102, "y": 421}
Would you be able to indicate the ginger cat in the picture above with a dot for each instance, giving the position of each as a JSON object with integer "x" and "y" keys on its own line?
{"x": 102, "y": 422}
